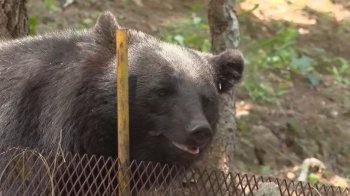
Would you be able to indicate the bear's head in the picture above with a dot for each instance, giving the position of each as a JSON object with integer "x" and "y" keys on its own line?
{"x": 173, "y": 92}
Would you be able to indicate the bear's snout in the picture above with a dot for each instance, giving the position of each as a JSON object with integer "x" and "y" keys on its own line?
{"x": 200, "y": 133}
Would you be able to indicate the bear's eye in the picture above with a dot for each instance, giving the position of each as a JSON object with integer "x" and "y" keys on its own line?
{"x": 163, "y": 92}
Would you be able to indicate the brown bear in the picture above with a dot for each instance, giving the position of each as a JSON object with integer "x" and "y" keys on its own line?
{"x": 61, "y": 86}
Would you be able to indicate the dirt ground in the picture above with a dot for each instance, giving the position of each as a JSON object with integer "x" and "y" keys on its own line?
{"x": 310, "y": 122}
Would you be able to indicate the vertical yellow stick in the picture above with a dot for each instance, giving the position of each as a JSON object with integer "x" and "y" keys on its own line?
{"x": 123, "y": 109}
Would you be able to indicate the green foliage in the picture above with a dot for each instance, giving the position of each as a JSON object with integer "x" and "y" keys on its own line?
{"x": 50, "y": 5}
{"x": 87, "y": 22}
{"x": 95, "y": 14}
{"x": 262, "y": 91}
{"x": 313, "y": 79}
{"x": 341, "y": 74}
{"x": 266, "y": 170}
{"x": 33, "y": 22}
{"x": 191, "y": 32}
{"x": 277, "y": 56}
{"x": 197, "y": 7}
{"x": 302, "y": 63}
{"x": 343, "y": 24}
{"x": 242, "y": 125}
{"x": 312, "y": 178}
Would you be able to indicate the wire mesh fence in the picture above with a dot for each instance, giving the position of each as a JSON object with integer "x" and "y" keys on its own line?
{"x": 30, "y": 172}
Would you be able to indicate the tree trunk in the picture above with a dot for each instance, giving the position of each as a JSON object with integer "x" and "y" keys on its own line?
{"x": 224, "y": 32}
{"x": 13, "y": 19}
{"x": 223, "y": 25}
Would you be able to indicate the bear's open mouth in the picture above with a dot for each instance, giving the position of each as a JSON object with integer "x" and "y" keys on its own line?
{"x": 190, "y": 149}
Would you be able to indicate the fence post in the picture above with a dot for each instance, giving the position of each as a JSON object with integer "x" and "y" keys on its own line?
{"x": 123, "y": 110}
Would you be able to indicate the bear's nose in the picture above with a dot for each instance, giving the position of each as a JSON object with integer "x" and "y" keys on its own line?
{"x": 201, "y": 134}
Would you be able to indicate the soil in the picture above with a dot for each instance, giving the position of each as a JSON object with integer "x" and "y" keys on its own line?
{"x": 310, "y": 122}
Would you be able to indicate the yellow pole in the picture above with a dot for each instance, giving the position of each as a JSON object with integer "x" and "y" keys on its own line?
{"x": 123, "y": 109}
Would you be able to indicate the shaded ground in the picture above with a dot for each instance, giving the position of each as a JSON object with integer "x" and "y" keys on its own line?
{"x": 310, "y": 121}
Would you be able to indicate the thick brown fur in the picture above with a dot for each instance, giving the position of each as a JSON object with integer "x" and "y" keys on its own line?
{"x": 64, "y": 83}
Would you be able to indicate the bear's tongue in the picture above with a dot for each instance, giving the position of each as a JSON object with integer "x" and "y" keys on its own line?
{"x": 187, "y": 148}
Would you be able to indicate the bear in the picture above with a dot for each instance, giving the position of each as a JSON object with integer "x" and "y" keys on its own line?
{"x": 59, "y": 88}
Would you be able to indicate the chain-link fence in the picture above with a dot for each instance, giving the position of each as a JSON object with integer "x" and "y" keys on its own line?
{"x": 29, "y": 172}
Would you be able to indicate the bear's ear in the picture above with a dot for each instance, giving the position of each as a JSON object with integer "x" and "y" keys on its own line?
{"x": 228, "y": 68}
{"x": 104, "y": 30}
